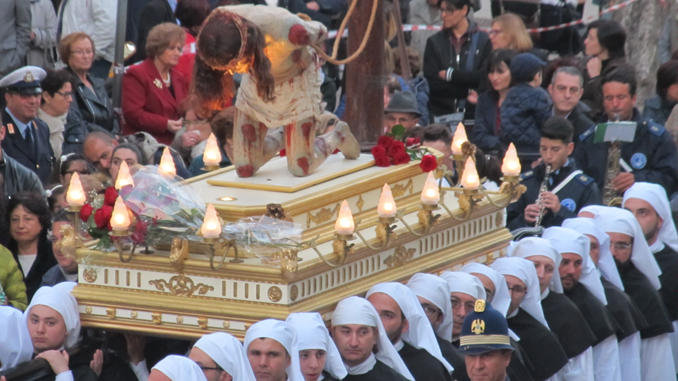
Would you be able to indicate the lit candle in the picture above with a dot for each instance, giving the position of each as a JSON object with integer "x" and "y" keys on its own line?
{"x": 387, "y": 206}
{"x": 459, "y": 139}
{"x": 124, "y": 177}
{"x": 166, "y": 166}
{"x": 344, "y": 224}
{"x": 212, "y": 156}
{"x": 120, "y": 217}
{"x": 430, "y": 194}
{"x": 470, "y": 180}
{"x": 75, "y": 195}
{"x": 211, "y": 227}
{"x": 511, "y": 165}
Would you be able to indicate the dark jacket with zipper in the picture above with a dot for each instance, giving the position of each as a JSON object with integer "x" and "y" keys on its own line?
{"x": 440, "y": 55}
{"x": 96, "y": 109}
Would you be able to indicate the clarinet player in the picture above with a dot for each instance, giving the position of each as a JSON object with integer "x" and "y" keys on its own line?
{"x": 560, "y": 194}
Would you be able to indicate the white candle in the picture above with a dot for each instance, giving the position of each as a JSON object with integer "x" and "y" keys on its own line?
{"x": 430, "y": 194}
{"x": 387, "y": 206}
{"x": 167, "y": 166}
{"x": 212, "y": 156}
{"x": 470, "y": 180}
{"x": 120, "y": 217}
{"x": 344, "y": 224}
{"x": 459, "y": 139}
{"x": 75, "y": 195}
{"x": 211, "y": 227}
{"x": 511, "y": 165}
{"x": 124, "y": 177}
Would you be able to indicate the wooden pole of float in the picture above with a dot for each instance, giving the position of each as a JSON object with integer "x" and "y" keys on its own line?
{"x": 365, "y": 77}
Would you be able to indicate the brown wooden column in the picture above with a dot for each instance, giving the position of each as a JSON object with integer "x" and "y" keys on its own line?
{"x": 364, "y": 76}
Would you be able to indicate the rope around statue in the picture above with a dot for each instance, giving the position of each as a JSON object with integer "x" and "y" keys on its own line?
{"x": 278, "y": 103}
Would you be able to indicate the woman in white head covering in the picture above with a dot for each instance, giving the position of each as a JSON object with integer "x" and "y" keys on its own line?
{"x": 319, "y": 357}
{"x": 284, "y": 334}
{"x": 499, "y": 296}
{"x": 386, "y": 364}
{"x": 227, "y": 354}
{"x": 582, "y": 285}
{"x": 420, "y": 334}
{"x": 526, "y": 318}
{"x": 176, "y": 368}
{"x": 639, "y": 272}
{"x": 16, "y": 346}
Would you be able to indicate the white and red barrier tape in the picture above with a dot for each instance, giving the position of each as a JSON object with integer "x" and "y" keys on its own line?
{"x": 410, "y": 28}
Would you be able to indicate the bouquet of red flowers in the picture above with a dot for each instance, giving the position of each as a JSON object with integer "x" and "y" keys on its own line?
{"x": 390, "y": 150}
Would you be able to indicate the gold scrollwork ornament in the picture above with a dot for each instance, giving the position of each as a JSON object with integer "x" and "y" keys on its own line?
{"x": 400, "y": 189}
{"x": 323, "y": 215}
{"x": 400, "y": 257}
{"x": 181, "y": 285}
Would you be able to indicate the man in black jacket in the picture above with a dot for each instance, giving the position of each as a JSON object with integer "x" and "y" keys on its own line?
{"x": 453, "y": 60}
{"x": 566, "y": 89}
{"x": 651, "y": 155}
{"x": 568, "y": 190}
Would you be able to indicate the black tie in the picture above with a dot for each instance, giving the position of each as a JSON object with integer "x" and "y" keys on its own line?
{"x": 29, "y": 139}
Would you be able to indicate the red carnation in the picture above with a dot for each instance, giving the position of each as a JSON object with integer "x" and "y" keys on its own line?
{"x": 110, "y": 196}
{"x": 412, "y": 141}
{"x": 382, "y": 161}
{"x": 139, "y": 233}
{"x": 336, "y": 151}
{"x": 282, "y": 153}
{"x": 102, "y": 216}
{"x": 385, "y": 141}
{"x": 401, "y": 158}
{"x": 428, "y": 163}
{"x": 85, "y": 212}
{"x": 396, "y": 148}
{"x": 378, "y": 151}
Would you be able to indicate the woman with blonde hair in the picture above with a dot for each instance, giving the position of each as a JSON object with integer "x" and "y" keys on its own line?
{"x": 509, "y": 32}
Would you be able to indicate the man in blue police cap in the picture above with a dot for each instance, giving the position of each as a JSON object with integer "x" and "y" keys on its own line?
{"x": 27, "y": 137}
{"x": 485, "y": 344}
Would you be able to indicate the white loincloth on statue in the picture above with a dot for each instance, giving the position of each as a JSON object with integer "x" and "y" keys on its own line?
{"x": 296, "y": 99}
{"x": 656, "y": 359}
{"x": 629, "y": 357}
{"x": 606, "y": 360}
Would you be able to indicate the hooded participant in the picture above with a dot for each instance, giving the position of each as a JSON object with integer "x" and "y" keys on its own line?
{"x": 176, "y": 368}
{"x": 16, "y": 345}
{"x": 221, "y": 356}
{"x": 465, "y": 289}
{"x": 271, "y": 348}
{"x": 434, "y": 295}
{"x": 409, "y": 330}
{"x": 582, "y": 285}
{"x": 526, "y": 318}
{"x": 356, "y": 329}
{"x": 318, "y": 356}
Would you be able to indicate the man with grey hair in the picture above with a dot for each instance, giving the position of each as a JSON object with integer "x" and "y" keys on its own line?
{"x": 566, "y": 89}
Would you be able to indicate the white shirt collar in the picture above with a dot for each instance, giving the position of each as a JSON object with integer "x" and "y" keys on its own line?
{"x": 364, "y": 367}
{"x": 399, "y": 345}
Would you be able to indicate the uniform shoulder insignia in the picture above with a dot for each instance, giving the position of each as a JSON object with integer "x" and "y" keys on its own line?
{"x": 587, "y": 133}
{"x": 584, "y": 179}
{"x": 526, "y": 175}
{"x": 656, "y": 129}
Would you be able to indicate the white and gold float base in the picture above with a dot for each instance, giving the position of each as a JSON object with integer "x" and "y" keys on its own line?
{"x": 148, "y": 295}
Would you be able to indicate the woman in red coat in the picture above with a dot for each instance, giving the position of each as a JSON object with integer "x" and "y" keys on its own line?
{"x": 153, "y": 90}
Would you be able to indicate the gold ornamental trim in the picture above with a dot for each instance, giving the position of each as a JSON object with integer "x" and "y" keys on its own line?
{"x": 181, "y": 285}
{"x": 294, "y": 292}
{"x": 399, "y": 190}
{"x": 360, "y": 203}
{"x": 90, "y": 275}
{"x": 111, "y": 312}
{"x": 485, "y": 340}
{"x": 202, "y": 322}
{"x": 324, "y": 215}
{"x": 400, "y": 257}
{"x": 88, "y": 309}
{"x": 275, "y": 294}
{"x": 156, "y": 317}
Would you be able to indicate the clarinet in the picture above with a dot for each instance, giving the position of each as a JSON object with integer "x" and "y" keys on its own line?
{"x": 542, "y": 189}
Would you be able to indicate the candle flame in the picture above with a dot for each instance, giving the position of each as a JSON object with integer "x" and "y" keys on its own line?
{"x": 76, "y": 194}
{"x": 212, "y": 156}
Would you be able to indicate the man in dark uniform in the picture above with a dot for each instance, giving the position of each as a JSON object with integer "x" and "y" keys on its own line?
{"x": 639, "y": 273}
{"x": 409, "y": 330}
{"x": 27, "y": 137}
{"x": 16, "y": 177}
{"x": 485, "y": 343}
{"x": 648, "y": 202}
{"x": 568, "y": 189}
{"x": 581, "y": 284}
{"x": 652, "y": 154}
{"x": 356, "y": 330}
{"x": 433, "y": 294}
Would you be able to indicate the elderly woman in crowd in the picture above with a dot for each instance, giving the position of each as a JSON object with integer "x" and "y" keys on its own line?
{"x": 90, "y": 98}
{"x": 29, "y": 220}
{"x": 154, "y": 88}
{"x": 57, "y": 95}
{"x": 604, "y": 45}
{"x": 509, "y": 32}
{"x": 488, "y": 122}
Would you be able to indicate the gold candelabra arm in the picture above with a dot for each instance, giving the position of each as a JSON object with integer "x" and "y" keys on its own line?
{"x": 384, "y": 230}
{"x": 117, "y": 241}
{"x": 214, "y": 244}
{"x": 340, "y": 247}
{"x": 468, "y": 199}
{"x": 510, "y": 186}
{"x": 74, "y": 213}
{"x": 426, "y": 219}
